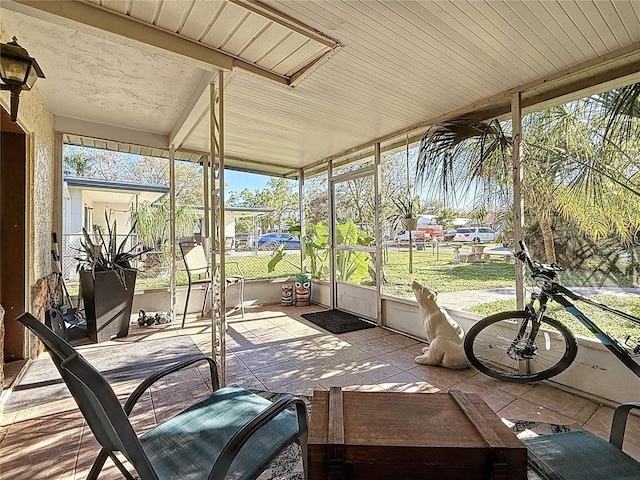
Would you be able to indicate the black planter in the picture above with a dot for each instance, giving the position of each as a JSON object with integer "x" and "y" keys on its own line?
{"x": 107, "y": 304}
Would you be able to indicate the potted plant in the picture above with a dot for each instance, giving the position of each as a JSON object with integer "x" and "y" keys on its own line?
{"x": 107, "y": 282}
{"x": 406, "y": 213}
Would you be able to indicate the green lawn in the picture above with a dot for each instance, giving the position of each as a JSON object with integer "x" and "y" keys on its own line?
{"x": 606, "y": 321}
{"x": 439, "y": 273}
{"x": 442, "y": 275}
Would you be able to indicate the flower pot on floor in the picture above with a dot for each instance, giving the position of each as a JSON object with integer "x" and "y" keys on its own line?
{"x": 107, "y": 304}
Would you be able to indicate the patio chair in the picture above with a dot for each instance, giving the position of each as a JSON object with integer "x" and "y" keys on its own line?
{"x": 232, "y": 432}
{"x": 229, "y": 244}
{"x": 197, "y": 265}
{"x": 233, "y": 278}
{"x": 578, "y": 455}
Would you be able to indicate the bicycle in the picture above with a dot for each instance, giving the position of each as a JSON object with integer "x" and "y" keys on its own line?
{"x": 527, "y": 345}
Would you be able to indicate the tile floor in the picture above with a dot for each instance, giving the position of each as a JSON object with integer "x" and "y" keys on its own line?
{"x": 274, "y": 349}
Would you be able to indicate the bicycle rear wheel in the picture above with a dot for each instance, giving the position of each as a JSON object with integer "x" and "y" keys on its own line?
{"x": 497, "y": 346}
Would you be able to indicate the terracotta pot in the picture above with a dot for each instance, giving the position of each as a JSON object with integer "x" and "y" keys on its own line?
{"x": 107, "y": 304}
{"x": 409, "y": 224}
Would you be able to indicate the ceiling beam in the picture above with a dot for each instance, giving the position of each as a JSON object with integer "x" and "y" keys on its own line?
{"x": 298, "y": 27}
{"x": 125, "y": 26}
{"x": 194, "y": 110}
{"x": 109, "y": 133}
{"x": 309, "y": 68}
{"x": 615, "y": 69}
{"x": 626, "y": 73}
{"x": 286, "y": 21}
{"x": 106, "y": 20}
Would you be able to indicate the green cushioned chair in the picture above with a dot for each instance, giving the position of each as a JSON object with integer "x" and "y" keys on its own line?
{"x": 233, "y": 433}
{"x": 580, "y": 455}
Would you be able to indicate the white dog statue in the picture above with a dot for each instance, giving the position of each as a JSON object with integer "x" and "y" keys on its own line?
{"x": 443, "y": 333}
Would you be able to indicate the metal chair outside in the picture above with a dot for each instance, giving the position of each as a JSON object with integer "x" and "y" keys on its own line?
{"x": 197, "y": 265}
{"x": 236, "y": 277}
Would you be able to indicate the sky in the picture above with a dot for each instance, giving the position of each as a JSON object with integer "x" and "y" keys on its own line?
{"x": 238, "y": 181}
{"x": 234, "y": 180}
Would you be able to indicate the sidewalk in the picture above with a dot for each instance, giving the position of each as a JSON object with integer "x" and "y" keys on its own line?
{"x": 468, "y": 298}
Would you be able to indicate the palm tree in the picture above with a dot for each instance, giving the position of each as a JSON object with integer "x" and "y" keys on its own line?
{"x": 152, "y": 222}
{"x": 466, "y": 158}
{"x": 622, "y": 108}
{"x": 586, "y": 177}
{"x": 79, "y": 163}
{"x": 460, "y": 152}
{"x": 572, "y": 164}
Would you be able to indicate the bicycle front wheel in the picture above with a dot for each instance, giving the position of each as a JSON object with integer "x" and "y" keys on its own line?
{"x": 500, "y": 346}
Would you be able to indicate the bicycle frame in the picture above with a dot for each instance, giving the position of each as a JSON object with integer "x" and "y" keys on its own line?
{"x": 491, "y": 347}
{"x": 562, "y": 295}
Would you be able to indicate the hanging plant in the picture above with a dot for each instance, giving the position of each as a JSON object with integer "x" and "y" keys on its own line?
{"x": 405, "y": 213}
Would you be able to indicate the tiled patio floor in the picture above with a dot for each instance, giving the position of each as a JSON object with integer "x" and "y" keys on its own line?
{"x": 274, "y": 349}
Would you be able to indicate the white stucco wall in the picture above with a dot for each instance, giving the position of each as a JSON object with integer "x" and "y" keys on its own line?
{"x": 37, "y": 121}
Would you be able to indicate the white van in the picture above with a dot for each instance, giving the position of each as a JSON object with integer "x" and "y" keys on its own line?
{"x": 475, "y": 235}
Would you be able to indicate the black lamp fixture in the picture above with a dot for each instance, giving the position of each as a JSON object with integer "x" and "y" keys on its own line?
{"x": 18, "y": 71}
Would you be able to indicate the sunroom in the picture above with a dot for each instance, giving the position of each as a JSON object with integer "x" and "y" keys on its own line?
{"x": 323, "y": 93}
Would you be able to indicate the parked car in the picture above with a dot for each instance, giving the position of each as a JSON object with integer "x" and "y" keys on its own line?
{"x": 475, "y": 235}
{"x": 272, "y": 240}
{"x": 448, "y": 235}
{"x": 416, "y": 236}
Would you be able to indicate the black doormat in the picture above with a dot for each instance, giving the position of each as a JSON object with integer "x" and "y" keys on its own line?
{"x": 337, "y": 322}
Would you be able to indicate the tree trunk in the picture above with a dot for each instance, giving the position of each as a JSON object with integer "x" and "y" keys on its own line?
{"x": 547, "y": 237}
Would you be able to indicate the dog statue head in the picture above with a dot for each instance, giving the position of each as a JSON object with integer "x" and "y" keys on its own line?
{"x": 424, "y": 295}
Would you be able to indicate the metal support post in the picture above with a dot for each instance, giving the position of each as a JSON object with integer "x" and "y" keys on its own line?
{"x": 172, "y": 229}
{"x": 518, "y": 203}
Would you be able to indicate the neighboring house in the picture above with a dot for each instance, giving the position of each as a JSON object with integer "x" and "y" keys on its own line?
{"x": 87, "y": 200}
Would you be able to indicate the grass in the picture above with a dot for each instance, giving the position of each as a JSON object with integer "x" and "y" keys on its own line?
{"x": 443, "y": 275}
{"x": 440, "y": 273}
{"x": 619, "y": 327}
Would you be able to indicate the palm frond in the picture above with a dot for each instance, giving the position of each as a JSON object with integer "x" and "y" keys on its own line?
{"x": 454, "y": 154}
{"x": 622, "y": 107}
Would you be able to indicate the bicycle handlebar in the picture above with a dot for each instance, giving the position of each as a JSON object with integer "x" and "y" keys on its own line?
{"x": 536, "y": 268}
{"x": 523, "y": 255}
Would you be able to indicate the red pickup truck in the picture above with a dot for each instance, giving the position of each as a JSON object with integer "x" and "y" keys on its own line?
{"x": 430, "y": 229}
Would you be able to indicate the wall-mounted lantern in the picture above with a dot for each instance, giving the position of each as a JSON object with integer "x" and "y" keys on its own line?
{"x": 18, "y": 71}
